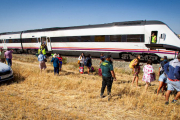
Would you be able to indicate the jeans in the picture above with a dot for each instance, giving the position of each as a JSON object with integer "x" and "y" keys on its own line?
{"x": 56, "y": 70}
{"x": 107, "y": 81}
{"x": 9, "y": 61}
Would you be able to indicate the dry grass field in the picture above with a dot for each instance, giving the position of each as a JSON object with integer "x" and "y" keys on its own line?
{"x": 69, "y": 96}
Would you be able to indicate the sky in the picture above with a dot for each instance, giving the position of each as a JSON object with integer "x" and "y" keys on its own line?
{"x": 19, "y": 15}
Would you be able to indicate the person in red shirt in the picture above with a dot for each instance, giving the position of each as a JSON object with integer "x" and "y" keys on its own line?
{"x": 60, "y": 61}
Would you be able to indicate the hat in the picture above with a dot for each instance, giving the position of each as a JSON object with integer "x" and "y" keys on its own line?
{"x": 108, "y": 56}
{"x": 55, "y": 55}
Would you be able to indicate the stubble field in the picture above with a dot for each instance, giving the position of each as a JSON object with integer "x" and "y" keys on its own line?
{"x": 35, "y": 95}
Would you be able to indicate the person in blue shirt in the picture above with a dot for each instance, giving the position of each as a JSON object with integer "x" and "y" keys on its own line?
{"x": 172, "y": 69}
{"x": 41, "y": 59}
{"x": 107, "y": 76}
{"x": 56, "y": 64}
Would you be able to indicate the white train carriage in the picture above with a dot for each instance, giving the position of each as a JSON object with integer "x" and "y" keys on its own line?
{"x": 122, "y": 39}
{"x": 11, "y": 41}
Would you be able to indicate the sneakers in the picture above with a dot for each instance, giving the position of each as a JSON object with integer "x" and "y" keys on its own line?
{"x": 174, "y": 101}
{"x": 166, "y": 103}
{"x": 109, "y": 97}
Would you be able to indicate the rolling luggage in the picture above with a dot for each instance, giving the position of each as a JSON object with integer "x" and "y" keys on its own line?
{"x": 81, "y": 70}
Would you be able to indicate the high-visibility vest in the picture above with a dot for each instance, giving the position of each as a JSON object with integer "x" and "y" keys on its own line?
{"x": 43, "y": 51}
{"x": 153, "y": 39}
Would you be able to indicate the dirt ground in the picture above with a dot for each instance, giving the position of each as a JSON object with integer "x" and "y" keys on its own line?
{"x": 71, "y": 95}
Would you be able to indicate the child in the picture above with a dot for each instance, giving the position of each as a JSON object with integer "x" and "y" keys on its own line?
{"x": 136, "y": 70}
{"x": 55, "y": 61}
{"x": 60, "y": 61}
{"x": 149, "y": 74}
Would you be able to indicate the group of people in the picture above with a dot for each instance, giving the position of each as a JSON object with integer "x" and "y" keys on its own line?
{"x": 6, "y": 56}
{"x": 169, "y": 76}
{"x": 106, "y": 67}
{"x": 56, "y": 60}
{"x": 85, "y": 61}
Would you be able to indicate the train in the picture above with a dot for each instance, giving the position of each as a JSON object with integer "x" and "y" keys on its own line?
{"x": 123, "y": 40}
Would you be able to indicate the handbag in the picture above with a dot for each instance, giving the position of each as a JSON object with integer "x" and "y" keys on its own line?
{"x": 45, "y": 60}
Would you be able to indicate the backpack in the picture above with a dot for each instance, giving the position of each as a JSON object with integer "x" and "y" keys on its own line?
{"x": 132, "y": 64}
{"x": 92, "y": 69}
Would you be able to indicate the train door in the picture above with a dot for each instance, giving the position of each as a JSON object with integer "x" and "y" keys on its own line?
{"x": 154, "y": 37}
{"x": 4, "y": 44}
{"x": 47, "y": 42}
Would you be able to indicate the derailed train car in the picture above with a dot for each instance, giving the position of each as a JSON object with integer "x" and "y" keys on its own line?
{"x": 121, "y": 39}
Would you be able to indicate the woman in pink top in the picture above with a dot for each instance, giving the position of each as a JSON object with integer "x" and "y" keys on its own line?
{"x": 149, "y": 74}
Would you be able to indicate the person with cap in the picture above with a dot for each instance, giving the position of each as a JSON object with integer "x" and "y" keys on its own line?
{"x": 162, "y": 76}
{"x": 107, "y": 76}
{"x": 172, "y": 69}
{"x": 56, "y": 64}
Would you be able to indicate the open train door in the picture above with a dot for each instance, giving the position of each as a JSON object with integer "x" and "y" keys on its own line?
{"x": 4, "y": 44}
{"x": 48, "y": 40}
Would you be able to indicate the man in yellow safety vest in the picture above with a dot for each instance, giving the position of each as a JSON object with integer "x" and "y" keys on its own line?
{"x": 153, "y": 38}
{"x": 42, "y": 49}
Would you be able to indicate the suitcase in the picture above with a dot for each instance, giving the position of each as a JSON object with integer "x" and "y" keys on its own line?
{"x": 100, "y": 72}
{"x": 81, "y": 70}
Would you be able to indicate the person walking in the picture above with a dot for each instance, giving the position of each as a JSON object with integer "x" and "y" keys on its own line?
{"x": 162, "y": 76}
{"x": 8, "y": 57}
{"x": 2, "y": 57}
{"x": 107, "y": 76}
{"x": 42, "y": 59}
{"x": 56, "y": 63}
{"x": 149, "y": 74}
{"x": 172, "y": 69}
{"x": 136, "y": 70}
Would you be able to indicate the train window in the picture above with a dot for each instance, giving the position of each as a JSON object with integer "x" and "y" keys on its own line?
{"x": 34, "y": 40}
{"x": 16, "y": 41}
{"x": 115, "y": 38}
{"x": 9, "y": 40}
{"x": 74, "y": 39}
{"x": 85, "y": 38}
{"x": 29, "y": 40}
{"x": 100, "y": 38}
{"x": 59, "y": 39}
{"x": 1, "y": 41}
{"x": 135, "y": 38}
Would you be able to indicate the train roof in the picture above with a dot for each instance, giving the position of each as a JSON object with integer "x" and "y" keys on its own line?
{"x": 127, "y": 23}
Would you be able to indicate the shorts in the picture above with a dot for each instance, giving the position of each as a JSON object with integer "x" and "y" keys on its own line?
{"x": 89, "y": 65}
{"x": 171, "y": 85}
{"x": 163, "y": 78}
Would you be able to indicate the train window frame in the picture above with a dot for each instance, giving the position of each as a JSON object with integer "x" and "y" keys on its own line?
{"x": 29, "y": 40}
{"x": 115, "y": 38}
{"x": 135, "y": 38}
